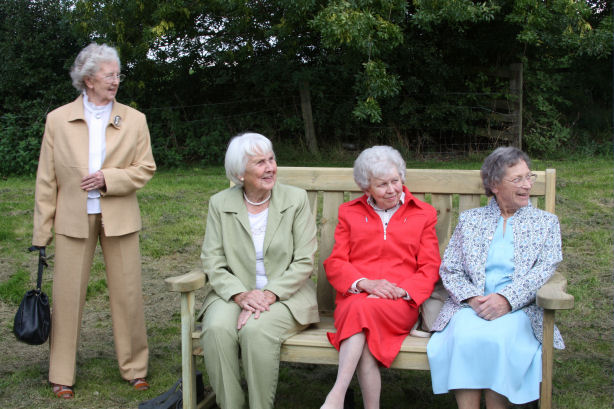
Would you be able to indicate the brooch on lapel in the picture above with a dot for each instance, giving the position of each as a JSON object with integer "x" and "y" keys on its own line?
{"x": 117, "y": 121}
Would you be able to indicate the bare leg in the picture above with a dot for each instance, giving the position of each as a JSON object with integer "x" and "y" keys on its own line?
{"x": 468, "y": 398}
{"x": 370, "y": 379}
{"x": 350, "y": 352}
{"x": 495, "y": 400}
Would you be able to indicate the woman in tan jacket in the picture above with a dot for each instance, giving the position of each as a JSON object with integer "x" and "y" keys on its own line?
{"x": 95, "y": 155}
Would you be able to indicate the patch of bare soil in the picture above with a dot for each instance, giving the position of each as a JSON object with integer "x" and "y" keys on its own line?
{"x": 96, "y": 331}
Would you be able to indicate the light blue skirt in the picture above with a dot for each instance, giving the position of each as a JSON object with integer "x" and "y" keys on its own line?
{"x": 473, "y": 353}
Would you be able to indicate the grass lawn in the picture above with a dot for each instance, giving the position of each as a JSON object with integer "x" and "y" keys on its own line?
{"x": 174, "y": 208}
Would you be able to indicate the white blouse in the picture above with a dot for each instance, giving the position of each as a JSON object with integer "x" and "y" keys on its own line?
{"x": 257, "y": 223}
{"x": 97, "y": 118}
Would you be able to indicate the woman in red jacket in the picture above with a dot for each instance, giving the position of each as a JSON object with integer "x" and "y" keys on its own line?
{"x": 384, "y": 264}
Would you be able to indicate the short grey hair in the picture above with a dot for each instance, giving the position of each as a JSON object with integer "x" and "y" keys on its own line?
{"x": 88, "y": 63}
{"x": 377, "y": 161}
{"x": 239, "y": 148}
{"x": 495, "y": 165}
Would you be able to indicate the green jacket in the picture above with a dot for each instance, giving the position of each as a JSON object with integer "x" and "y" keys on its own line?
{"x": 229, "y": 258}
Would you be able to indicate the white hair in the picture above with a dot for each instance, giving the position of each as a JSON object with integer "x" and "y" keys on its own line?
{"x": 375, "y": 162}
{"x": 239, "y": 148}
{"x": 87, "y": 63}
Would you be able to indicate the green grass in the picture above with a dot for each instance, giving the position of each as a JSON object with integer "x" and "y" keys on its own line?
{"x": 13, "y": 289}
{"x": 174, "y": 210}
{"x": 174, "y": 206}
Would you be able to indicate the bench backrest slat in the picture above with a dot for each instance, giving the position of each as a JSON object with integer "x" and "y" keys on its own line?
{"x": 466, "y": 202}
{"x": 443, "y": 204}
{"x": 449, "y": 191}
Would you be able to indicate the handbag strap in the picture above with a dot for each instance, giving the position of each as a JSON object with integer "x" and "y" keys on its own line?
{"x": 42, "y": 263}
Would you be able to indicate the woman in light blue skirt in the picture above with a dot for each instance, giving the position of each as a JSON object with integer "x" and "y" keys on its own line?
{"x": 490, "y": 329}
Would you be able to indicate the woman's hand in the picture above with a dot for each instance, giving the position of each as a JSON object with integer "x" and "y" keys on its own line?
{"x": 243, "y": 317}
{"x": 93, "y": 181}
{"x": 490, "y": 307}
{"x": 381, "y": 289}
{"x": 253, "y": 302}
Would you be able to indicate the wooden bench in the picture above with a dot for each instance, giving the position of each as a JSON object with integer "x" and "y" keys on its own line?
{"x": 449, "y": 191}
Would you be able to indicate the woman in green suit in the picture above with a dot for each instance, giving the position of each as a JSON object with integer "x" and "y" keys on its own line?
{"x": 258, "y": 253}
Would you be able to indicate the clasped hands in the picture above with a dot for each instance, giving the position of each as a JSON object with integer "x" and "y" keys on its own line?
{"x": 253, "y": 302}
{"x": 381, "y": 289}
{"x": 93, "y": 181}
{"x": 489, "y": 307}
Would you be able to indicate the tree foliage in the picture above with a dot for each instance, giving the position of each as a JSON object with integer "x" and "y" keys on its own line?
{"x": 38, "y": 47}
{"x": 413, "y": 74}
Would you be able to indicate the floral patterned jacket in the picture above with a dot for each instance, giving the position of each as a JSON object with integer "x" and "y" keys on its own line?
{"x": 537, "y": 252}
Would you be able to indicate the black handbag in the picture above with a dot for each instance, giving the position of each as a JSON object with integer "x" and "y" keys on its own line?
{"x": 32, "y": 322}
{"x": 173, "y": 398}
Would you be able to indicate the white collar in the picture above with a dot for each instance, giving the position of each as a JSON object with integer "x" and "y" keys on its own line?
{"x": 95, "y": 108}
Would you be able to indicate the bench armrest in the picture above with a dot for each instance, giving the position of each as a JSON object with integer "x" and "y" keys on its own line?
{"x": 188, "y": 282}
{"x": 552, "y": 295}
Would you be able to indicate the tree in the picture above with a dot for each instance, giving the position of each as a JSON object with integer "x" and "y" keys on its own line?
{"x": 411, "y": 74}
{"x": 38, "y": 47}
{"x": 370, "y": 29}
{"x": 437, "y": 48}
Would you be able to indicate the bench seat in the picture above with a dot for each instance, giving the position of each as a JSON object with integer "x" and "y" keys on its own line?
{"x": 449, "y": 191}
{"x": 311, "y": 346}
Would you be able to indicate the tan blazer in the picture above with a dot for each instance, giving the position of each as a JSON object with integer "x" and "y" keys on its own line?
{"x": 229, "y": 257}
{"x": 60, "y": 202}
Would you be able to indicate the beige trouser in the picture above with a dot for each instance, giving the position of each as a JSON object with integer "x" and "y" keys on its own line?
{"x": 258, "y": 342}
{"x": 73, "y": 261}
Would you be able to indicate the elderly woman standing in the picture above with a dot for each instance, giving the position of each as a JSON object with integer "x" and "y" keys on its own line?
{"x": 95, "y": 155}
{"x": 498, "y": 257}
{"x": 384, "y": 264}
{"x": 258, "y": 256}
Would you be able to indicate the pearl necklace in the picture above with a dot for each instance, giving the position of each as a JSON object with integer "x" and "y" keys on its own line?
{"x": 257, "y": 203}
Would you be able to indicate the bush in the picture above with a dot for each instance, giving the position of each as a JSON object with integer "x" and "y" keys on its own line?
{"x": 20, "y": 140}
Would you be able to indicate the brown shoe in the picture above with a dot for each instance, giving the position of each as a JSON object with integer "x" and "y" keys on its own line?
{"x": 63, "y": 391}
{"x": 139, "y": 384}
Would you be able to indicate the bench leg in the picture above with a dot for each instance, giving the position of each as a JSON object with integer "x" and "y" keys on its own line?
{"x": 187, "y": 359}
{"x": 545, "y": 401}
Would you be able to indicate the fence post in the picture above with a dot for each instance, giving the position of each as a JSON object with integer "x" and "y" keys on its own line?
{"x": 516, "y": 92}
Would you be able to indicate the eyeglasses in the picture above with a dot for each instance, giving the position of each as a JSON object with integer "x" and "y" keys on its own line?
{"x": 112, "y": 77}
{"x": 531, "y": 178}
